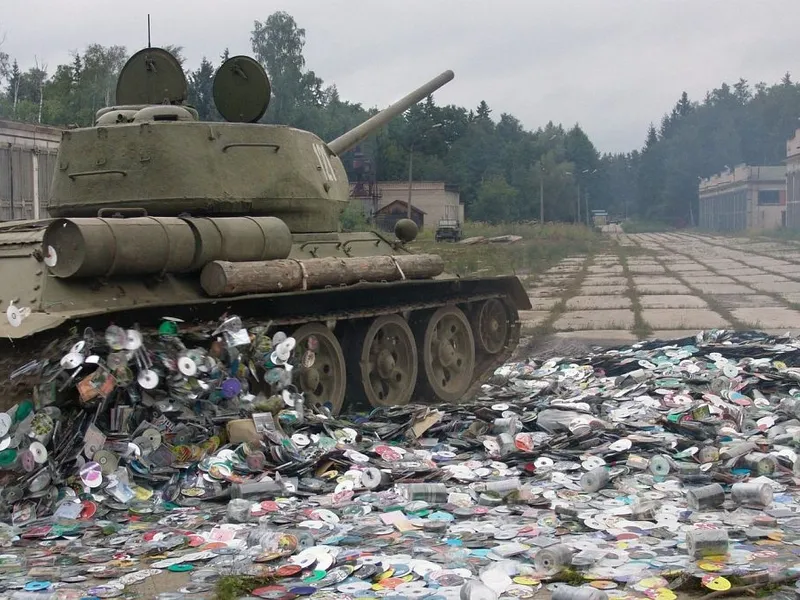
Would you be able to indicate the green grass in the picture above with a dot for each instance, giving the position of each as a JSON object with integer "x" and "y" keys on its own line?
{"x": 231, "y": 587}
{"x": 541, "y": 247}
{"x": 644, "y": 226}
{"x": 789, "y": 235}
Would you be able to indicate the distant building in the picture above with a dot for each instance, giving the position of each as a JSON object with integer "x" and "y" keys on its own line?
{"x": 27, "y": 162}
{"x": 793, "y": 181}
{"x": 386, "y": 216}
{"x": 749, "y": 197}
{"x": 435, "y": 200}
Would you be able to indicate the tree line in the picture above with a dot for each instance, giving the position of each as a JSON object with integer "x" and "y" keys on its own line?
{"x": 501, "y": 169}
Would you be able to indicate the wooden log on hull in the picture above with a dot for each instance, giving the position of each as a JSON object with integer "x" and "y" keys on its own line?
{"x": 223, "y": 278}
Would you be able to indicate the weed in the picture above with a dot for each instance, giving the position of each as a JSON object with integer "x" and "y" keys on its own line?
{"x": 231, "y": 587}
{"x": 540, "y": 248}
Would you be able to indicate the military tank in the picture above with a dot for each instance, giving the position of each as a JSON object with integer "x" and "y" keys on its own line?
{"x": 156, "y": 213}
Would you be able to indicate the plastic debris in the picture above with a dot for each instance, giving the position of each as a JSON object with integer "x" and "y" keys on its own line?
{"x": 191, "y": 450}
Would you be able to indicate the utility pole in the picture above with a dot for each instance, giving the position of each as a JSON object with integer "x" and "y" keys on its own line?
{"x": 578, "y": 217}
{"x": 410, "y": 167}
{"x": 541, "y": 195}
{"x": 587, "y": 208}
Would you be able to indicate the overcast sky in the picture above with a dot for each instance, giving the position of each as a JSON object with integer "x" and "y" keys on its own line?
{"x": 611, "y": 65}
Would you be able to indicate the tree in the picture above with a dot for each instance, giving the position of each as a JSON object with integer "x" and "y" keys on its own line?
{"x": 495, "y": 200}
{"x": 201, "y": 90}
{"x": 278, "y": 45}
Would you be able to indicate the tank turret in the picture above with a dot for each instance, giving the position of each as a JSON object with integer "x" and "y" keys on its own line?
{"x": 151, "y": 153}
{"x": 154, "y": 212}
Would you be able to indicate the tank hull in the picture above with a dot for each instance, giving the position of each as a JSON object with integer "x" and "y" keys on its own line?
{"x": 64, "y": 307}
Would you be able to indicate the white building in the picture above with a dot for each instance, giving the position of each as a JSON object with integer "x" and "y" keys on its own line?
{"x": 27, "y": 162}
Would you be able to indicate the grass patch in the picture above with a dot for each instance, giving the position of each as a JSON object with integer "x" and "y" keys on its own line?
{"x": 641, "y": 329}
{"x": 645, "y": 226}
{"x": 788, "y": 235}
{"x": 541, "y": 247}
{"x": 231, "y": 587}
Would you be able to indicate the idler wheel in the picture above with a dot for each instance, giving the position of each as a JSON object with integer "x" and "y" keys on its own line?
{"x": 490, "y": 326}
{"x": 324, "y": 381}
{"x": 388, "y": 362}
{"x": 448, "y": 354}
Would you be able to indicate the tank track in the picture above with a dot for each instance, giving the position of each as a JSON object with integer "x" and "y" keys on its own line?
{"x": 53, "y": 344}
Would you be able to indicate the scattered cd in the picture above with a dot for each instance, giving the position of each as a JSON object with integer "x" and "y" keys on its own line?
{"x": 153, "y": 437}
{"x": 283, "y": 352}
{"x": 90, "y": 449}
{"x": 51, "y": 257}
{"x": 187, "y": 366}
{"x": 116, "y": 337}
{"x": 620, "y": 445}
{"x": 308, "y": 360}
{"x": 39, "y": 452}
{"x": 133, "y": 340}
{"x": 148, "y": 379}
{"x": 27, "y": 461}
{"x": 91, "y": 474}
{"x": 16, "y": 315}
{"x": 73, "y": 360}
{"x": 78, "y": 347}
{"x": 5, "y": 443}
{"x": 5, "y": 423}
{"x": 108, "y": 461}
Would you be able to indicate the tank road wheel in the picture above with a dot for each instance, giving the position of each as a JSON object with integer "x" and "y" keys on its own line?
{"x": 388, "y": 362}
{"x": 448, "y": 354}
{"x": 325, "y": 380}
{"x": 491, "y": 326}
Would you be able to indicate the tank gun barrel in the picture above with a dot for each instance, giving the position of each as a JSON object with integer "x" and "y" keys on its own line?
{"x": 349, "y": 139}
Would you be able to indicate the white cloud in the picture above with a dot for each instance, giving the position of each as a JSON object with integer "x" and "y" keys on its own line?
{"x": 611, "y": 65}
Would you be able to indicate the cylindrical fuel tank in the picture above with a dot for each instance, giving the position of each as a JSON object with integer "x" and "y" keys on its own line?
{"x": 239, "y": 239}
{"x": 92, "y": 247}
{"x": 97, "y": 247}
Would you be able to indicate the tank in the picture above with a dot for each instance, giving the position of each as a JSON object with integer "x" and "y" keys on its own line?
{"x": 155, "y": 213}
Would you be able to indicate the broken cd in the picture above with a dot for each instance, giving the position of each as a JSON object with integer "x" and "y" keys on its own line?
{"x": 73, "y": 360}
{"x": 91, "y": 474}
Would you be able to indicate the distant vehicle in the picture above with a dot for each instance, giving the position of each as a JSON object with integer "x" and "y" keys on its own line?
{"x": 449, "y": 226}
{"x": 448, "y": 229}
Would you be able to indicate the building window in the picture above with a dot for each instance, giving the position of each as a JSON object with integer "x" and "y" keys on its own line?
{"x": 766, "y": 197}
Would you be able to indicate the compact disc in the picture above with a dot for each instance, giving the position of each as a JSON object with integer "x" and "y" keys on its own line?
{"x": 187, "y": 366}
{"x": 91, "y": 474}
{"x": 39, "y": 452}
{"x": 148, "y": 379}
{"x": 107, "y": 460}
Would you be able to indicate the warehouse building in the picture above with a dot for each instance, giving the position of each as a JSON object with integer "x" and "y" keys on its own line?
{"x": 748, "y": 197}
{"x": 793, "y": 181}
{"x": 431, "y": 201}
{"x": 27, "y": 162}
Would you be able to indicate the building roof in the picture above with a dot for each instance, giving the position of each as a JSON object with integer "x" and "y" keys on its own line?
{"x": 403, "y": 204}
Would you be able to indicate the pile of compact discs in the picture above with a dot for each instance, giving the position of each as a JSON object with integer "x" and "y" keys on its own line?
{"x": 192, "y": 452}
{"x": 123, "y": 414}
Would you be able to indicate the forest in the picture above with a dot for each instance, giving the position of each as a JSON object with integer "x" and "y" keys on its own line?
{"x": 501, "y": 169}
